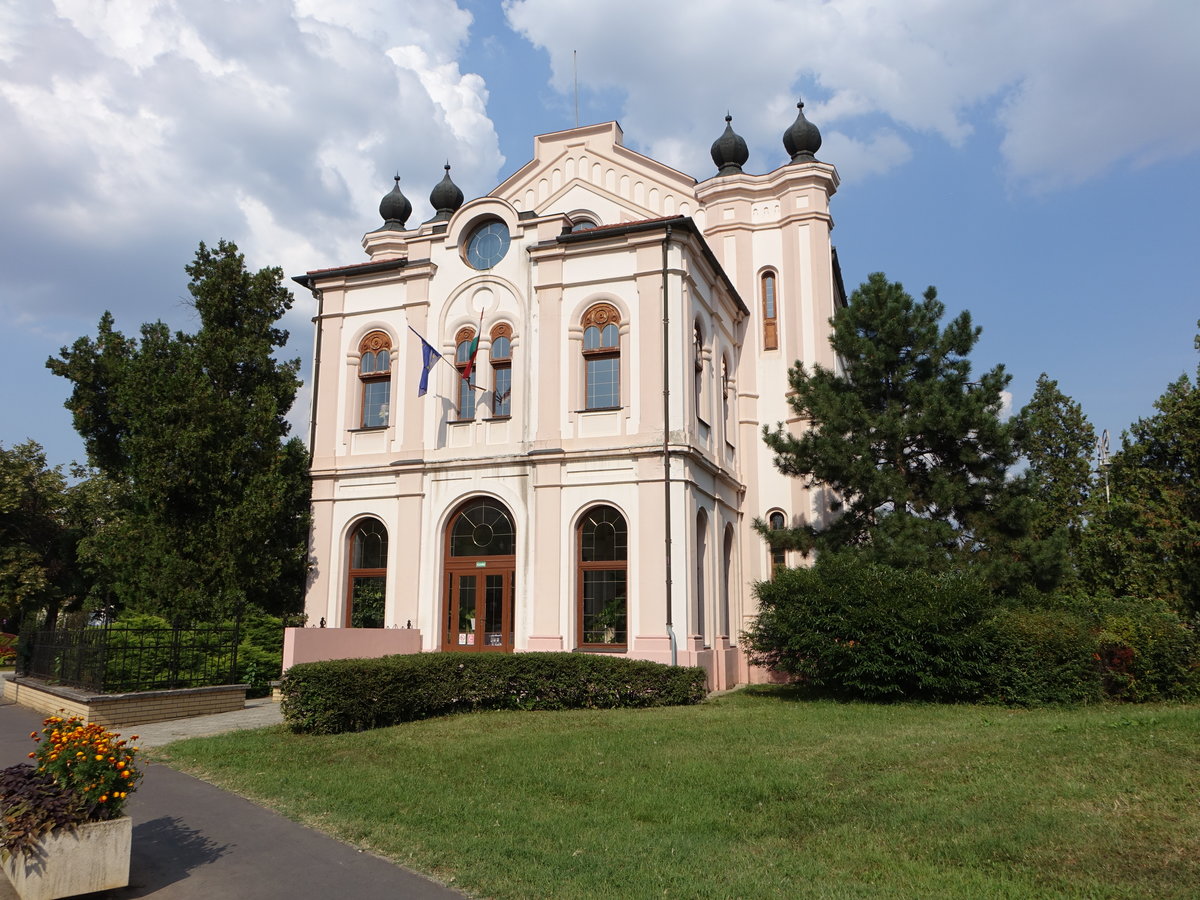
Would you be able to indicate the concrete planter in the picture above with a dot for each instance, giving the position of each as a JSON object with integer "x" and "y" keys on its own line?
{"x": 92, "y": 857}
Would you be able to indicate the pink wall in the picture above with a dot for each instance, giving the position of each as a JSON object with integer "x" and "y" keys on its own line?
{"x": 316, "y": 644}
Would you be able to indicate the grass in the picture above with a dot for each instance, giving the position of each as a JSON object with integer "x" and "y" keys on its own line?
{"x": 753, "y": 794}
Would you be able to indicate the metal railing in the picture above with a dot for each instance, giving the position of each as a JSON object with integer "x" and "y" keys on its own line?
{"x": 119, "y": 659}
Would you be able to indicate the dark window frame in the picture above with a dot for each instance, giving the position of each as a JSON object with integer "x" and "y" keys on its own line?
{"x": 583, "y": 566}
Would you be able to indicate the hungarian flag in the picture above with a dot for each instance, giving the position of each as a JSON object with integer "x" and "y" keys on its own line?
{"x": 473, "y": 350}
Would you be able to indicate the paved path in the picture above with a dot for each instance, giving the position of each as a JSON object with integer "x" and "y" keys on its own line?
{"x": 257, "y": 714}
{"x": 192, "y": 841}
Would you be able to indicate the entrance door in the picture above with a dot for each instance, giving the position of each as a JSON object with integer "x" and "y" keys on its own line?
{"x": 480, "y": 578}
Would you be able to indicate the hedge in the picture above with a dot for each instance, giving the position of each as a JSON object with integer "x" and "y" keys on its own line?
{"x": 359, "y": 694}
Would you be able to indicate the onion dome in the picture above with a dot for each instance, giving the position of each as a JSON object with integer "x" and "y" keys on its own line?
{"x": 395, "y": 209}
{"x": 445, "y": 198}
{"x": 802, "y": 140}
{"x": 729, "y": 151}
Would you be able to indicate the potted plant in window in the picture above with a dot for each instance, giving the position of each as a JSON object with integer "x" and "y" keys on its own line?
{"x": 62, "y": 830}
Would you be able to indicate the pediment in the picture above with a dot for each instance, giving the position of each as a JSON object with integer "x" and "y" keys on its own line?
{"x": 589, "y": 168}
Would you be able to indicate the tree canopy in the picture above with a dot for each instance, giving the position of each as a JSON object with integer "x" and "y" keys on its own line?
{"x": 911, "y": 442}
{"x": 1145, "y": 542}
{"x": 210, "y": 497}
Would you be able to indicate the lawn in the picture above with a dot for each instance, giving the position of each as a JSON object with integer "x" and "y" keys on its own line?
{"x": 753, "y": 794}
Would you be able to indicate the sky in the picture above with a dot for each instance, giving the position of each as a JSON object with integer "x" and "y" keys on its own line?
{"x": 1038, "y": 162}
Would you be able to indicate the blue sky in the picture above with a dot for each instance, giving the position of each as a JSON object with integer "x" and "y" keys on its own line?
{"x": 1039, "y": 163}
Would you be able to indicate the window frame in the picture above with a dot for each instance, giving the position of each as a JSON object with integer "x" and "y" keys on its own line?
{"x": 488, "y": 227}
{"x": 501, "y": 331}
{"x": 612, "y": 565}
{"x": 770, "y": 312}
{"x": 353, "y": 573}
{"x": 466, "y": 386}
{"x": 373, "y": 344}
{"x": 601, "y": 316}
{"x": 776, "y": 556}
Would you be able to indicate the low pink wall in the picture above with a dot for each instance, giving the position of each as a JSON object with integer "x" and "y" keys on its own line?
{"x": 302, "y": 645}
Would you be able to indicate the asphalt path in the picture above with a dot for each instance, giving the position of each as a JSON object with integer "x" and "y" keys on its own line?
{"x": 192, "y": 841}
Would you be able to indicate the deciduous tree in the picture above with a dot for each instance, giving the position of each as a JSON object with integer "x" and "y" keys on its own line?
{"x": 1145, "y": 542}
{"x": 212, "y": 497}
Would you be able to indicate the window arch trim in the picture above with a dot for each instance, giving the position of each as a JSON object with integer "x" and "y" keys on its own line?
{"x": 375, "y": 379}
{"x": 601, "y": 347}
{"x": 500, "y": 355}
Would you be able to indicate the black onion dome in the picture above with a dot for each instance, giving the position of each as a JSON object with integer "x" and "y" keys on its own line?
{"x": 802, "y": 140}
{"x": 395, "y": 209}
{"x": 729, "y": 151}
{"x": 445, "y": 198}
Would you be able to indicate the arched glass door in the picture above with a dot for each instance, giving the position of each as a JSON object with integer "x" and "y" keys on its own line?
{"x": 480, "y": 578}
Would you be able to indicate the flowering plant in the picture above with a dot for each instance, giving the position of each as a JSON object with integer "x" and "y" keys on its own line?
{"x": 89, "y": 762}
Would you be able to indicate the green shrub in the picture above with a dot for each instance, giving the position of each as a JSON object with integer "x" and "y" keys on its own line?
{"x": 866, "y": 630}
{"x": 1039, "y": 656}
{"x": 1146, "y": 652}
{"x": 359, "y": 694}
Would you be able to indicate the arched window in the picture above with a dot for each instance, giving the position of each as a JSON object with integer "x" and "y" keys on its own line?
{"x": 375, "y": 375}
{"x": 770, "y": 312}
{"x": 602, "y": 540}
{"x": 727, "y": 399}
{"x": 466, "y": 344}
{"x": 480, "y": 578}
{"x": 777, "y": 522}
{"x": 726, "y": 567}
{"x": 701, "y": 563}
{"x": 602, "y": 357}
{"x": 501, "y": 371}
{"x": 366, "y": 591}
{"x": 698, "y": 365}
{"x": 582, "y": 224}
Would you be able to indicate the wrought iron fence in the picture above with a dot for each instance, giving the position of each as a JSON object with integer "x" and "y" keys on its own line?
{"x": 120, "y": 659}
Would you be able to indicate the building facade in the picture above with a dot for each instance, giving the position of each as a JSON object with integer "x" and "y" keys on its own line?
{"x": 537, "y": 416}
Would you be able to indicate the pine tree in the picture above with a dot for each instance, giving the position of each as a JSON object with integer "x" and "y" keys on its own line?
{"x": 211, "y": 508}
{"x": 910, "y": 442}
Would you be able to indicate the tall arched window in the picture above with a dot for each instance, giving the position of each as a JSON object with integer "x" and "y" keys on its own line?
{"x": 777, "y": 522}
{"x": 375, "y": 376}
{"x": 726, "y": 571}
{"x": 726, "y": 399}
{"x": 501, "y": 371}
{"x": 480, "y": 578}
{"x": 602, "y": 357}
{"x": 770, "y": 312}
{"x": 602, "y": 541}
{"x": 366, "y": 591}
{"x": 698, "y": 366}
{"x": 701, "y": 564}
{"x": 466, "y": 342}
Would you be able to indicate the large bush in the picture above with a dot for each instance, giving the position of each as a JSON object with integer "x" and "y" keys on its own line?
{"x": 359, "y": 694}
{"x": 1067, "y": 650}
{"x": 1037, "y": 656}
{"x": 862, "y": 629}
{"x": 1146, "y": 652}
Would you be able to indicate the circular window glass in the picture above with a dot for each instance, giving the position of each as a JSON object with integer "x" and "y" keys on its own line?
{"x": 487, "y": 245}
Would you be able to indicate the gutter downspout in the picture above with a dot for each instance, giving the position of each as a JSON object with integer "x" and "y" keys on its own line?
{"x": 666, "y": 450}
{"x": 319, "y": 296}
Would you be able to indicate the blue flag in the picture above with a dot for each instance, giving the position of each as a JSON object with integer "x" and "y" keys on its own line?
{"x": 429, "y": 358}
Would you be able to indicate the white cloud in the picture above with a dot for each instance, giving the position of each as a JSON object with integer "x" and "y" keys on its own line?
{"x": 1081, "y": 86}
{"x": 135, "y": 128}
